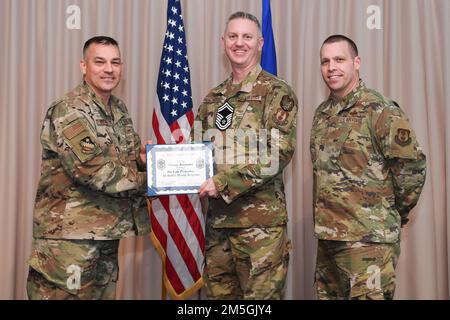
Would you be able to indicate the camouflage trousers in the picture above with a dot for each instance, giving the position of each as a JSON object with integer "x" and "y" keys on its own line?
{"x": 73, "y": 269}
{"x": 246, "y": 263}
{"x": 356, "y": 270}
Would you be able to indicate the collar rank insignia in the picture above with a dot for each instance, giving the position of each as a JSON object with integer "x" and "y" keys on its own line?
{"x": 224, "y": 116}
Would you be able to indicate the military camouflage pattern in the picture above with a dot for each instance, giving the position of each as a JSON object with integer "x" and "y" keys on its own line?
{"x": 246, "y": 263}
{"x": 369, "y": 169}
{"x": 250, "y": 197}
{"x": 92, "y": 177}
{"x": 73, "y": 269}
{"x": 356, "y": 270}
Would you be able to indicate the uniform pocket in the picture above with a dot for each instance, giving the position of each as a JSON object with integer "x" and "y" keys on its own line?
{"x": 70, "y": 265}
{"x": 329, "y": 149}
{"x": 354, "y": 152}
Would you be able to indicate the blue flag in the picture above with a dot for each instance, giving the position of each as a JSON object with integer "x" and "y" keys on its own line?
{"x": 268, "y": 55}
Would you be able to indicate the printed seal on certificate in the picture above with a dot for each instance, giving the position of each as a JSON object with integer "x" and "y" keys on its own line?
{"x": 178, "y": 168}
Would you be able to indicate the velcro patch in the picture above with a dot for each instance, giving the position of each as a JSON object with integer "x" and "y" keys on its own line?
{"x": 87, "y": 145}
{"x": 349, "y": 120}
{"x": 73, "y": 130}
{"x": 103, "y": 122}
{"x": 254, "y": 98}
{"x": 287, "y": 103}
{"x": 281, "y": 117}
{"x": 81, "y": 141}
{"x": 127, "y": 121}
{"x": 402, "y": 140}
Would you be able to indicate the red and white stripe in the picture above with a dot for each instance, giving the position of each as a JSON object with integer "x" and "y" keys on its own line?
{"x": 177, "y": 221}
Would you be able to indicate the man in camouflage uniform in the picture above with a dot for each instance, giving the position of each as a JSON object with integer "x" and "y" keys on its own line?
{"x": 92, "y": 185}
{"x": 368, "y": 174}
{"x": 247, "y": 247}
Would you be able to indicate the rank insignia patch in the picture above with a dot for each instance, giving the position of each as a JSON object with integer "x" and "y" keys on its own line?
{"x": 224, "y": 116}
{"x": 87, "y": 146}
{"x": 403, "y": 137}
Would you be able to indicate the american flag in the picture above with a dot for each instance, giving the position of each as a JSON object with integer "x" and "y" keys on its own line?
{"x": 177, "y": 221}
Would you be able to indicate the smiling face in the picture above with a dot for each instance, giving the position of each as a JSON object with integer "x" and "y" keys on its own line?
{"x": 340, "y": 70}
{"x": 102, "y": 68}
{"x": 242, "y": 43}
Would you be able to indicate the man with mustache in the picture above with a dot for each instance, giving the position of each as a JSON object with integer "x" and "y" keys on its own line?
{"x": 92, "y": 185}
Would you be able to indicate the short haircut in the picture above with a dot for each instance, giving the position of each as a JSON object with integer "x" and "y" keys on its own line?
{"x": 338, "y": 38}
{"x": 244, "y": 15}
{"x": 99, "y": 40}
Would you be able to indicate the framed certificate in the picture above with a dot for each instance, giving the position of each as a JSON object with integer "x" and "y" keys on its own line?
{"x": 178, "y": 168}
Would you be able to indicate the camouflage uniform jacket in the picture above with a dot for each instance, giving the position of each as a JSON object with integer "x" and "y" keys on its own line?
{"x": 252, "y": 190}
{"x": 90, "y": 185}
{"x": 368, "y": 168}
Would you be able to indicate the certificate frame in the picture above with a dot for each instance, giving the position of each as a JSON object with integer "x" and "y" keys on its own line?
{"x": 178, "y": 168}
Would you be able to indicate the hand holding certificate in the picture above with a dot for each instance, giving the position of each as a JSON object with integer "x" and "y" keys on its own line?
{"x": 178, "y": 168}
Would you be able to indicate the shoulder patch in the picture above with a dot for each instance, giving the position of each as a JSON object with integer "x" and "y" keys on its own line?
{"x": 73, "y": 130}
{"x": 87, "y": 145}
{"x": 287, "y": 103}
{"x": 403, "y": 137}
{"x": 280, "y": 117}
{"x": 402, "y": 140}
{"x": 81, "y": 141}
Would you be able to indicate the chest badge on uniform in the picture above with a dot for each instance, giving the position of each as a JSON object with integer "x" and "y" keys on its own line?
{"x": 87, "y": 146}
{"x": 224, "y": 116}
{"x": 403, "y": 138}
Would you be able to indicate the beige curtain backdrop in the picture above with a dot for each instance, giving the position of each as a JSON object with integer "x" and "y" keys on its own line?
{"x": 407, "y": 59}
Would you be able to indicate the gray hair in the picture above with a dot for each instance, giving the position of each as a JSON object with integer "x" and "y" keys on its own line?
{"x": 244, "y": 15}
